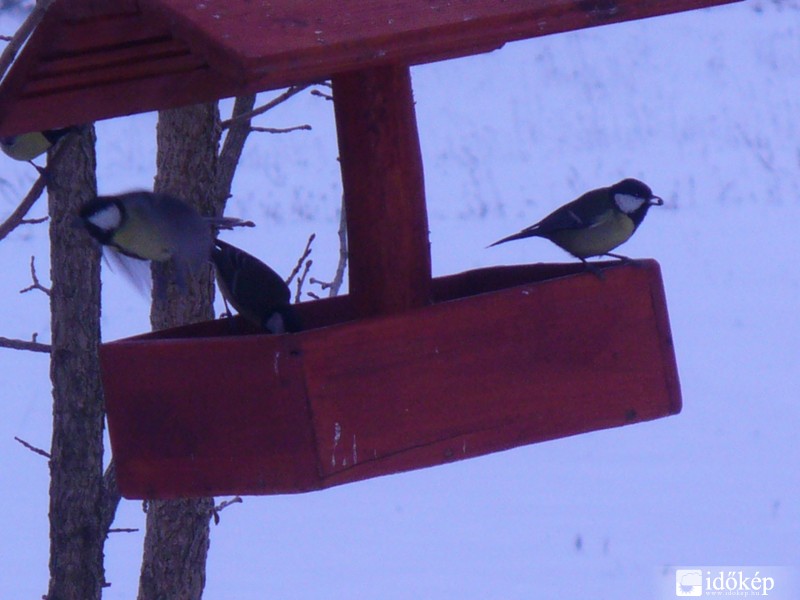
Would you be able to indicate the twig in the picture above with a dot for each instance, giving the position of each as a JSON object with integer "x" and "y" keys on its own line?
{"x": 281, "y": 129}
{"x": 233, "y": 146}
{"x": 292, "y": 91}
{"x": 110, "y": 497}
{"x": 18, "y": 216}
{"x": 22, "y": 34}
{"x": 36, "y": 285}
{"x": 35, "y": 221}
{"x": 231, "y": 223}
{"x": 301, "y": 280}
{"x": 123, "y": 530}
{"x": 335, "y": 286}
{"x": 300, "y": 260}
{"x": 319, "y": 94}
{"x": 33, "y": 346}
{"x": 222, "y": 506}
{"x": 6, "y": 38}
{"x": 328, "y": 97}
{"x": 338, "y": 278}
{"x": 33, "y": 448}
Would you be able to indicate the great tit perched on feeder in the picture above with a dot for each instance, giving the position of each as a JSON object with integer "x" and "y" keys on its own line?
{"x": 150, "y": 226}
{"x": 257, "y": 292}
{"x": 597, "y": 222}
{"x": 27, "y": 146}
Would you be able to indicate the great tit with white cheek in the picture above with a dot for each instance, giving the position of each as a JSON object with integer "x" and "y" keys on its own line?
{"x": 27, "y": 146}
{"x": 597, "y": 222}
{"x": 151, "y": 226}
{"x": 257, "y": 292}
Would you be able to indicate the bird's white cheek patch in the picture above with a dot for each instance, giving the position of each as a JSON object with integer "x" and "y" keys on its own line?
{"x": 107, "y": 218}
{"x": 628, "y": 203}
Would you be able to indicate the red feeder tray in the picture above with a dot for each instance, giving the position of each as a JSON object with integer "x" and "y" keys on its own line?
{"x": 505, "y": 356}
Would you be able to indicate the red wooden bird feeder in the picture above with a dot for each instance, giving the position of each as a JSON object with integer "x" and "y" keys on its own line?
{"x": 406, "y": 371}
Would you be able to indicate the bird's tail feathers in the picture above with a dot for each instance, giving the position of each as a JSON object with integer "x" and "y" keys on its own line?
{"x": 525, "y": 233}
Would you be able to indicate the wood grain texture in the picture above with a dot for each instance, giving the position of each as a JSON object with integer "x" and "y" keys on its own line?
{"x": 512, "y": 359}
{"x": 244, "y": 46}
{"x": 384, "y": 191}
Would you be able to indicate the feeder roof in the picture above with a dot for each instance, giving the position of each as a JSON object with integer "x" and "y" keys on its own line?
{"x": 92, "y": 59}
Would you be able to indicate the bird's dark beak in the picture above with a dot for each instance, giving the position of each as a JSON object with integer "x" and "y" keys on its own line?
{"x": 656, "y": 201}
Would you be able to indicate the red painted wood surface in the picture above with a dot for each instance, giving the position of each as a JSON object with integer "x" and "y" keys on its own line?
{"x": 91, "y": 60}
{"x": 384, "y": 190}
{"x": 509, "y": 356}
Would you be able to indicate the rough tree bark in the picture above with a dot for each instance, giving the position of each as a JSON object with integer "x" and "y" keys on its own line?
{"x": 177, "y": 537}
{"x": 78, "y": 526}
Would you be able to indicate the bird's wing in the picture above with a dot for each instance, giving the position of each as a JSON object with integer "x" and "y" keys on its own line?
{"x": 188, "y": 234}
{"x": 583, "y": 213}
{"x": 248, "y": 277}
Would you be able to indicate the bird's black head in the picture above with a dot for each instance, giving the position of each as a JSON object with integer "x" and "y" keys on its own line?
{"x": 102, "y": 217}
{"x": 634, "y": 198}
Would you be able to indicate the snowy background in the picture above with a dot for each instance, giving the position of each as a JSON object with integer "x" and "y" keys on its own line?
{"x": 705, "y": 108}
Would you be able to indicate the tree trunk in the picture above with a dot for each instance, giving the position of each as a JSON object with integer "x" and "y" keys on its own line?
{"x": 177, "y": 537}
{"x": 77, "y": 525}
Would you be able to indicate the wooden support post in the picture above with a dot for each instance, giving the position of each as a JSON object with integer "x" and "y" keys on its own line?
{"x": 387, "y": 222}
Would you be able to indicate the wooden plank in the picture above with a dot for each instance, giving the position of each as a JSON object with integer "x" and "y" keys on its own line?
{"x": 521, "y": 365}
{"x": 384, "y": 192}
{"x": 317, "y": 38}
{"x": 250, "y": 48}
{"x": 91, "y": 69}
{"x": 490, "y": 370}
{"x": 203, "y": 418}
{"x": 78, "y": 10}
{"x": 70, "y": 37}
{"x": 111, "y": 73}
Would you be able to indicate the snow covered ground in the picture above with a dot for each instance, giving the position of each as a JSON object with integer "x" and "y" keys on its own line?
{"x": 704, "y": 107}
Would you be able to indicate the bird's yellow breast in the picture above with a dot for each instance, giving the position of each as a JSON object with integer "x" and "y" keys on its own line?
{"x": 608, "y": 233}
{"x": 27, "y": 146}
{"x": 146, "y": 242}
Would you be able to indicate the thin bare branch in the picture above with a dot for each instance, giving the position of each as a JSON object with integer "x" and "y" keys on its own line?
{"x": 302, "y": 279}
{"x": 22, "y": 34}
{"x": 18, "y": 216}
{"x": 32, "y": 346}
{"x": 222, "y": 506}
{"x": 306, "y": 253}
{"x": 6, "y": 38}
{"x": 292, "y": 91}
{"x": 281, "y": 129}
{"x": 36, "y": 285}
{"x": 110, "y": 498}
{"x": 123, "y": 530}
{"x": 33, "y": 448}
{"x": 233, "y": 146}
{"x": 335, "y": 286}
{"x": 327, "y": 97}
{"x": 34, "y": 221}
{"x": 338, "y": 278}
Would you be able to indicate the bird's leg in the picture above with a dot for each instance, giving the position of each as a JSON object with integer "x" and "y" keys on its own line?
{"x": 626, "y": 260}
{"x": 593, "y": 269}
{"x": 227, "y": 313}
